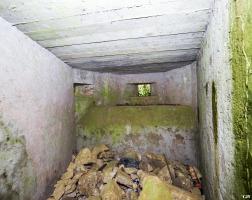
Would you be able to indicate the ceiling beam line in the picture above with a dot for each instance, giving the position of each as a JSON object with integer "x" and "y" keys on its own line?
{"x": 195, "y": 7}
{"x": 133, "y": 54}
{"x": 185, "y": 15}
{"x": 161, "y": 15}
{"x": 125, "y": 39}
{"x": 144, "y": 68}
{"x": 162, "y": 64}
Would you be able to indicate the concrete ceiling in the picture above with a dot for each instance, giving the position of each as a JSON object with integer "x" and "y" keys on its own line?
{"x": 120, "y": 36}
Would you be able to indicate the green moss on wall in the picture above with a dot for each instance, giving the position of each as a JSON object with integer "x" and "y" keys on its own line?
{"x": 114, "y": 120}
{"x": 214, "y": 113}
{"x": 106, "y": 91}
{"x": 17, "y": 176}
{"x": 108, "y": 95}
{"x": 241, "y": 65}
{"x": 82, "y": 104}
{"x": 215, "y": 136}
{"x": 248, "y": 50}
{"x": 206, "y": 88}
{"x": 149, "y": 100}
{"x": 83, "y": 101}
{"x": 250, "y": 136}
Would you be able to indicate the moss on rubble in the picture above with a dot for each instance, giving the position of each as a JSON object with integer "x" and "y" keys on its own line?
{"x": 241, "y": 47}
{"x": 155, "y": 189}
{"x": 114, "y": 120}
{"x": 17, "y": 176}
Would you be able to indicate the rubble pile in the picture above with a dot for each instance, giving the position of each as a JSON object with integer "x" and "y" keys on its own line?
{"x": 100, "y": 174}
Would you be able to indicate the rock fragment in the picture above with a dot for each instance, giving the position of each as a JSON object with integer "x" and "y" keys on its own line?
{"x": 154, "y": 189}
{"x": 59, "y": 191}
{"x": 109, "y": 173}
{"x": 106, "y": 156}
{"x": 84, "y": 157}
{"x": 87, "y": 184}
{"x": 124, "y": 179}
{"x": 111, "y": 191}
{"x": 99, "y": 149}
{"x": 94, "y": 198}
{"x": 156, "y": 160}
{"x": 164, "y": 174}
{"x": 130, "y": 170}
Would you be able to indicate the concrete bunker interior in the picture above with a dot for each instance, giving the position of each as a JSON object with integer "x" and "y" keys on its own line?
{"x": 69, "y": 77}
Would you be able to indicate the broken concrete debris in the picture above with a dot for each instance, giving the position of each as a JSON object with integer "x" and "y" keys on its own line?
{"x": 100, "y": 174}
{"x": 154, "y": 189}
{"x": 111, "y": 191}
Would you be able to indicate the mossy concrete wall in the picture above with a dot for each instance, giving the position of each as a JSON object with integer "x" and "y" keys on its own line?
{"x": 84, "y": 100}
{"x": 37, "y": 116}
{"x": 164, "y": 129}
{"x": 215, "y": 107}
{"x": 177, "y": 86}
{"x": 18, "y": 178}
{"x": 224, "y": 80}
{"x": 241, "y": 62}
{"x": 248, "y": 50}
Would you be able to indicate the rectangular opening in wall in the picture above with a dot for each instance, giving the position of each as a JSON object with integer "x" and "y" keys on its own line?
{"x": 142, "y": 93}
{"x": 144, "y": 90}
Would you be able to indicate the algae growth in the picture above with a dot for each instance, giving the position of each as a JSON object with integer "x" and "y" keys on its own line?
{"x": 241, "y": 49}
{"x": 114, "y": 120}
{"x": 17, "y": 176}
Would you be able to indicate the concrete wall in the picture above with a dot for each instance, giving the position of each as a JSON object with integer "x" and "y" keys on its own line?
{"x": 241, "y": 62}
{"x": 247, "y": 18}
{"x": 36, "y": 122}
{"x": 223, "y": 99}
{"x": 99, "y": 120}
{"x": 177, "y": 86}
{"x": 215, "y": 120}
{"x": 168, "y": 130}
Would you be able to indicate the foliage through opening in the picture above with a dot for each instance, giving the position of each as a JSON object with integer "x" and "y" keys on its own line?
{"x": 144, "y": 90}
